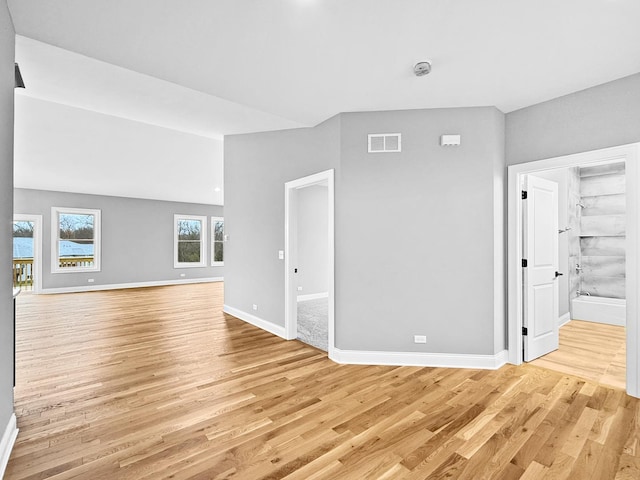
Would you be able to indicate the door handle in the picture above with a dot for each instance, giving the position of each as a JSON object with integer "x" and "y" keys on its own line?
{"x": 558, "y": 274}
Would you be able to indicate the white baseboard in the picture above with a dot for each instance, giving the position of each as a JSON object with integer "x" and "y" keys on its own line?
{"x": 256, "y": 321}
{"x": 6, "y": 444}
{"x": 419, "y": 359}
{"x": 312, "y": 296}
{"x": 118, "y": 286}
{"x": 564, "y": 319}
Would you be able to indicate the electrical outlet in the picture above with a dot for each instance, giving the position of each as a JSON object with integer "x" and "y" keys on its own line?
{"x": 419, "y": 339}
{"x": 255, "y": 307}
{"x": 91, "y": 280}
{"x": 299, "y": 289}
{"x": 183, "y": 275}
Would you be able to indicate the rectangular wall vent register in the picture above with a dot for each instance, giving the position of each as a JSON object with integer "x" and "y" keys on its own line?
{"x": 385, "y": 142}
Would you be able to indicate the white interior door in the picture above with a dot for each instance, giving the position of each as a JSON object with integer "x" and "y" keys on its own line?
{"x": 540, "y": 249}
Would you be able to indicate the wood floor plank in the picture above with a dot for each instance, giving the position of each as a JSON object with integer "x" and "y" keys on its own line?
{"x": 159, "y": 383}
{"x": 595, "y": 351}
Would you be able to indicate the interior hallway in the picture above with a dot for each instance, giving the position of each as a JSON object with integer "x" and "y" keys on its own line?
{"x": 158, "y": 383}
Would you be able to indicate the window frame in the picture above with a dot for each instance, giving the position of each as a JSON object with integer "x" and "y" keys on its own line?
{"x": 55, "y": 239}
{"x": 215, "y": 220}
{"x": 203, "y": 241}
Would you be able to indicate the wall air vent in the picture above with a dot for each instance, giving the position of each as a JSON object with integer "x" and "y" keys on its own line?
{"x": 385, "y": 142}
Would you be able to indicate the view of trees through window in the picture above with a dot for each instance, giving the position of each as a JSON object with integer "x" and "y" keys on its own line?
{"x": 189, "y": 237}
{"x": 22, "y": 229}
{"x": 77, "y": 230}
{"x": 77, "y": 239}
{"x": 218, "y": 240}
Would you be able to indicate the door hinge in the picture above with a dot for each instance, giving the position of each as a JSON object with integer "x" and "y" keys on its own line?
{"x": 524, "y": 331}
{"x": 524, "y": 194}
{"x": 524, "y": 263}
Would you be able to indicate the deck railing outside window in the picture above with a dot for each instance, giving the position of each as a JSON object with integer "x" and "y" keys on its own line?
{"x": 23, "y": 273}
{"x": 82, "y": 262}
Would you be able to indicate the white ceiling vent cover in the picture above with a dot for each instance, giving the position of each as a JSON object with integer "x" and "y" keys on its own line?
{"x": 385, "y": 142}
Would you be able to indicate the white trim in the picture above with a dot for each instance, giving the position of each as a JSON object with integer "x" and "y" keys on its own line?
{"x": 630, "y": 154}
{"x": 203, "y": 241}
{"x": 256, "y": 321}
{"x": 290, "y": 228}
{"x": 119, "y": 286}
{"x": 7, "y": 442}
{"x": 420, "y": 359}
{"x": 37, "y": 245}
{"x": 312, "y": 296}
{"x": 215, "y": 220}
{"x": 564, "y": 319}
{"x": 55, "y": 241}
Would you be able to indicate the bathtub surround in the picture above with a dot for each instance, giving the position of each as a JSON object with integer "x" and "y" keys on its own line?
{"x": 611, "y": 311}
{"x": 573, "y": 235}
{"x": 602, "y": 230}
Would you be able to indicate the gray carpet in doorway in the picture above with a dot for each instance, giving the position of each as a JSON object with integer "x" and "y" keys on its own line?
{"x": 313, "y": 323}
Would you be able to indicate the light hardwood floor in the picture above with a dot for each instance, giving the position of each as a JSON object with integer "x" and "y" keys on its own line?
{"x": 594, "y": 351}
{"x": 158, "y": 383}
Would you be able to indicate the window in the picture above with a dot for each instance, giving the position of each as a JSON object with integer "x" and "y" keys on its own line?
{"x": 76, "y": 240}
{"x": 217, "y": 241}
{"x": 190, "y": 237}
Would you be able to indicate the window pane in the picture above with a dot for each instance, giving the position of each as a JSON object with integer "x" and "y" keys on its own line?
{"x": 22, "y": 229}
{"x": 189, "y": 229}
{"x": 74, "y": 226}
{"x": 218, "y": 231}
{"x": 189, "y": 252}
{"x": 218, "y": 252}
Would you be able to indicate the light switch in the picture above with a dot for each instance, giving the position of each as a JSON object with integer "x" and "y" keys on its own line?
{"x": 280, "y": 254}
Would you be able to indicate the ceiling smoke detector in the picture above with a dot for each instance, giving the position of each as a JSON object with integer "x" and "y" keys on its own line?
{"x": 422, "y": 68}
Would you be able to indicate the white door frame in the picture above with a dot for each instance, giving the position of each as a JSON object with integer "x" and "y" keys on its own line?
{"x": 290, "y": 235}
{"x": 631, "y": 155}
{"x": 37, "y": 245}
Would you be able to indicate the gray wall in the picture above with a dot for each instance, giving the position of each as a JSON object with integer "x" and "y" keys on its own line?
{"x": 603, "y": 116}
{"x": 256, "y": 169}
{"x": 137, "y": 237}
{"x": 7, "y": 39}
{"x": 415, "y": 233}
{"x": 418, "y": 233}
{"x": 312, "y": 242}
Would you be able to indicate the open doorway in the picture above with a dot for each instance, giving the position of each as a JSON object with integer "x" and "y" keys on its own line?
{"x": 522, "y": 310}
{"x": 27, "y": 252}
{"x": 309, "y": 260}
{"x": 587, "y": 233}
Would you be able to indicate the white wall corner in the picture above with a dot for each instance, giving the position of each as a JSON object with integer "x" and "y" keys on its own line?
{"x": 420, "y": 359}
{"x": 564, "y": 319}
{"x": 256, "y": 321}
{"x": 6, "y": 445}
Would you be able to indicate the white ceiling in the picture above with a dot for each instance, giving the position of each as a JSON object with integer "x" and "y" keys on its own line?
{"x": 214, "y": 67}
{"x": 61, "y": 76}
